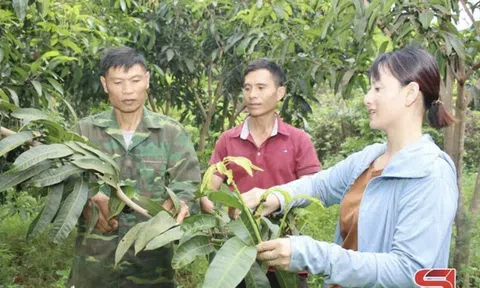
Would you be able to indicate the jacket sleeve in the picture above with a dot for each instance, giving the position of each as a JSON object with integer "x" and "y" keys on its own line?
{"x": 425, "y": 218}
{"x": 327, "y": 185}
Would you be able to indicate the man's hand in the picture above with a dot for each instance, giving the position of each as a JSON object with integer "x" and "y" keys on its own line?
{"x": 182, "y": 214}
{"x": 276, "y": 253}
{"x": 206, "y": 205}
{"x": 252, "y": 199}
{"x": 103, "y": 224}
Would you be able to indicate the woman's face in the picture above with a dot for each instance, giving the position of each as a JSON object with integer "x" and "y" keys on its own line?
{"x": 385, "y": 101}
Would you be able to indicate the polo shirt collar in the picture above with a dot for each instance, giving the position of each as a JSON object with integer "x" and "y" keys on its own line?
{"x": 278, "y": 127}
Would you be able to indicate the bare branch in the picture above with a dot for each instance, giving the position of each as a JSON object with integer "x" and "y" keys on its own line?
{"x": 472, "y": 70}
{"x": 5, "y": 132}
{"x": 469, "y": 13}
{"x": 197, "y": 98}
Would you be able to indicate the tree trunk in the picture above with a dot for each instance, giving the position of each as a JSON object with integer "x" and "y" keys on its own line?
{"x": 168, "y": 101}
{"x": 447, "y": 98}
{"x": 462, "y": 239}
{"x": 226, "y": 103}
{"x": 474, "y": 208}
{"x": 233, "y": 117}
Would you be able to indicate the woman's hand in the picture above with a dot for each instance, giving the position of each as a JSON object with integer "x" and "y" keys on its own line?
{"x": 276, "y": 253}
{"x": 252, "y": 200}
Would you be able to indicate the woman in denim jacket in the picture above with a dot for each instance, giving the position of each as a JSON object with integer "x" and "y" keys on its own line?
{"x": 397, "y": 200}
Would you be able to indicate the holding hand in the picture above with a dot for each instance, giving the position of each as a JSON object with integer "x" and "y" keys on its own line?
{"x": 182, "y": 214}
{"x": 276, "y": 252}
{"x": 103, "y": 224}
{"x": 252, "y": 200}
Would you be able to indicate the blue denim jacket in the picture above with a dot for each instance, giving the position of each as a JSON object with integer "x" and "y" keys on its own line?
{"x": 404, "y": 223}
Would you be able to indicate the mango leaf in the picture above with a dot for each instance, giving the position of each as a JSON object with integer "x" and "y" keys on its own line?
{"x": 115, "y": 205}
{"x": 274, "y": 228}
{"x": 93, "y": 163}
{"x": 148, "y": 204}
{"x": 230, "y": 265}
{"x": 199, "y": 222}
{"x": 226, "y": 199}
{"x": 165, "y": 238}
{"x": 75, "y": 147}
{"x": 175, "y": 200}
{"x": 55, "y": 175}
{"x": 245, "y": 163}
{"x": 40, "y": 153}
{"x": 287, "y": 279}
{"x": 93, "y": 221}
{"x": 14, "y": 96}
{"x": 207, "y": 178}
{"x": 20, "y": 7}
{"x": 71, "y": 209}
{"x": 426, "y": 18}
{"x": 155, "y": 227}
{"x": 38, "y": 87}
{"x": 12, "y": 178}
{"x": 187, "y": 251}
{"x": 256, "y": 278}
{"x": 127, "y": 241}
{"x": 45, "y": 217}
{"x": 100, "y": 154}
{"x": 243, "y": 230}
{"x": 29, "y": 114}
{"x": 13, "y": 141}
{"x": 5, "y": 105}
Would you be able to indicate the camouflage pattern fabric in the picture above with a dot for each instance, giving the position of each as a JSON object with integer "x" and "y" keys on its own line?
{"x": 160, "y": 153}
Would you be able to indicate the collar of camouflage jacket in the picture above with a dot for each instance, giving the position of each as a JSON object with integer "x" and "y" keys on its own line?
{"x": 107, "y": 120}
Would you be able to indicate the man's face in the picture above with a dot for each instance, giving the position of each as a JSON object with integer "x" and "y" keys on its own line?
{"x": 260, "y": 93}
{"x": 126, "y": 89}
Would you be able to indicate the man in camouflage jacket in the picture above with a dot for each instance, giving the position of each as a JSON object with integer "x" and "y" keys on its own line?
{"x": 151, "y": 149}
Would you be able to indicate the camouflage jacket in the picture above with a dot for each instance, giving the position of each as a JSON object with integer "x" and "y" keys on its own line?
{"x": 159, "y": 153}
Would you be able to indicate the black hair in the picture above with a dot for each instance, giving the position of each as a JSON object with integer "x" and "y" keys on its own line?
{"x": 125, "y": 57}
{"x": 274, "y": 69}
{"x": 412, "y": 64}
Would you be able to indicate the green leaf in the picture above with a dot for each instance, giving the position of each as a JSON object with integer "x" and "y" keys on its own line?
{"x": 55, "y": 175}
{"x": 226, "y": 199}
{"x": 456, "y": 44}
{"x": 155, "y": 227}
{"x": 20, "y": 7}
{"x": 48, "y": 212}
{"x": 123, "y": 5}
{"x": 170, "y": 54}
{"x": 287, "y": 279}
{"x": 100, "y": 154}
{"x": 40, "y": 153}
{"x": 256, "y": 278}
{"x": 70, "y": 109}
{"x": 230, "y": 265}
{"x": 207, "y": 177}
{"x": 274, "y": 228}
{"x": 93, "y": 163}
{"x": 199, "y": 222}
{"x": 75, "y": 147}
{"x": 176, "y": 202}
{"x": 70, "y": 212}
{"x": 189, "y": 250}
{"x": 29, "y": 114}
{"x": 37, "y": 86}
{"x": 93, "y": 221}
{"x": 13, "y": 141}
{"x": 71, "y": 45}
{"x": 14, "y": 96}
{"x": 426, "y": 18}
{"x": 12, "y": 178}
{"x": 127, "y": 241}
{"x": 1, "y": 55}
{"x": 56, "y": 85}
{"x": 50, "y": 54}
{"x": 5, "y": 105}
{"x": 243, "y": 230}
{"x": 165, "y": 238}
{"x": 148, "y": 204}
{"x": 115, "y": 205}
{"x": 45, "y": 7}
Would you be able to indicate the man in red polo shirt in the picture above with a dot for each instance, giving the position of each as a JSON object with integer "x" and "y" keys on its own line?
{"x": 285, "y": 153}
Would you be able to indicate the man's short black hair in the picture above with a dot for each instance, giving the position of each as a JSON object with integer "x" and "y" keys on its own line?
{"x": 264, "y": 63}
{"x": 125, "y": 57}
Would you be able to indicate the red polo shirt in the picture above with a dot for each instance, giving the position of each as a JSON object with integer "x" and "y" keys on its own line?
{"x": 285, "y": 156}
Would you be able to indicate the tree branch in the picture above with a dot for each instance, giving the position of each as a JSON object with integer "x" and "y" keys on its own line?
{"x": 472, "y": 70}
{"x": 197, "y": 98}
{"x": 469, "y": 13}
{"x": 5, "y": 132}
